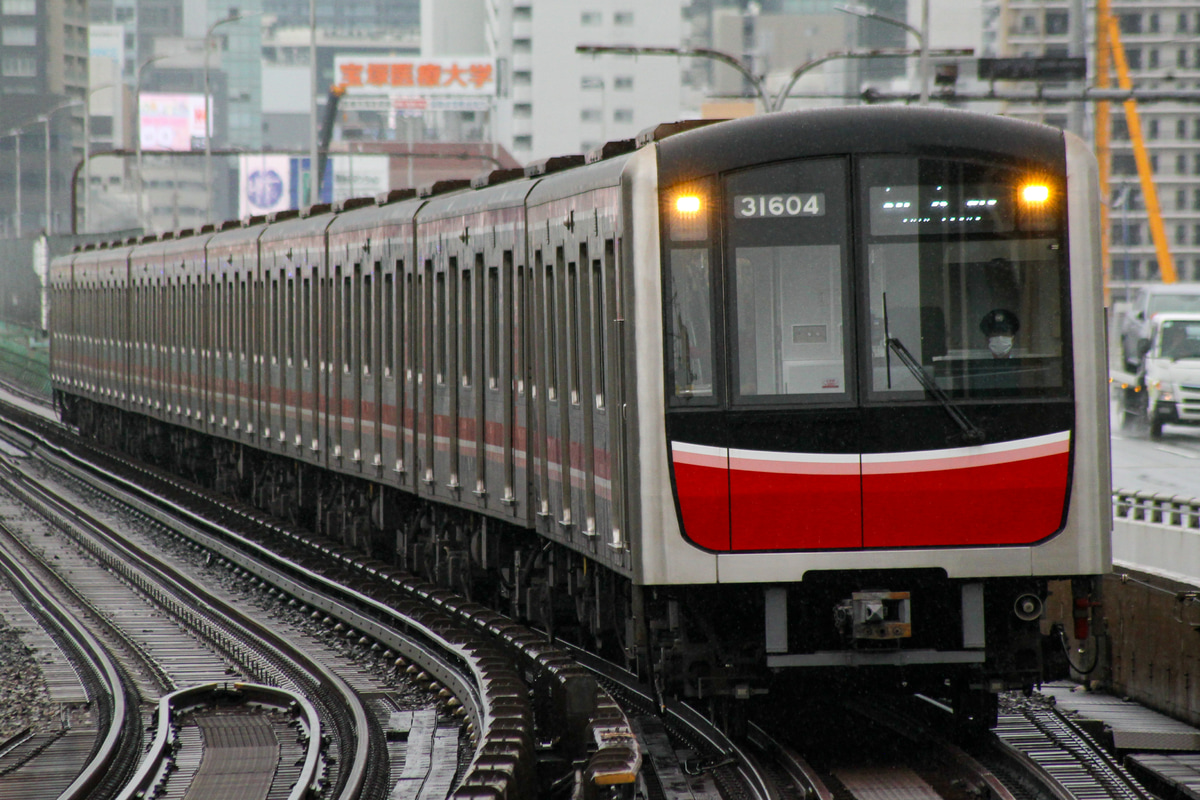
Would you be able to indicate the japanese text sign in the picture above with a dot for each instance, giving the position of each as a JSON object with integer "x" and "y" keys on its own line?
{"x": 416, "y": 76}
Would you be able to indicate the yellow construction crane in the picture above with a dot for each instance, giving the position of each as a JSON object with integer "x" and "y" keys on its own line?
{"x": 1109, "y": 47}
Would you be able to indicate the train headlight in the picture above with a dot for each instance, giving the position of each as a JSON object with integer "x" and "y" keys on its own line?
{"x": 688, "y": 210}
{"x": 1035, "y": 193}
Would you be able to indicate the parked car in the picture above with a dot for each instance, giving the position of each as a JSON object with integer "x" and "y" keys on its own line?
{"x": 1148, "y": 301}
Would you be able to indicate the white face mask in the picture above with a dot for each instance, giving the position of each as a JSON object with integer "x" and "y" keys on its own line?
{"x": 1000, "y": 346}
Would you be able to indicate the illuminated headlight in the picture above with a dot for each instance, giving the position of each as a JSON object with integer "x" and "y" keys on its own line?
{"x": 1165, "y": 391}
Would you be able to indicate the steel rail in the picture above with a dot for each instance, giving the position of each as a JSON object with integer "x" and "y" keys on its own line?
{"x": 121, "y": 557}
{"x": 101, "y": 665}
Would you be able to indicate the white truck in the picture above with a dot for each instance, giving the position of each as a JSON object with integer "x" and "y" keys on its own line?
{"x": 1166, "y": 387}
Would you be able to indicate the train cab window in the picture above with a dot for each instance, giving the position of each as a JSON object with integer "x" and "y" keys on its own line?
{"x": 787, "y": 248}
{"x": 966, "y": 280}
{"x": 690, "y": 316}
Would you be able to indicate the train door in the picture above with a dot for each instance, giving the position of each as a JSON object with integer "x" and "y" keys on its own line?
{"x": 426, "y": 377}
{"x": 377, "y": 363}
{"x": 450, "y": 327}
{"x": 361, "y": 319}
{"x": 468, "y": 428}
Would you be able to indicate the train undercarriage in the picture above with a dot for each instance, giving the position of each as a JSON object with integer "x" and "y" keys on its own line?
{"x": 692, "y": 641}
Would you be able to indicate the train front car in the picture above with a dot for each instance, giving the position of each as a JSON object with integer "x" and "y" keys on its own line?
{"x": 886, "y": 432}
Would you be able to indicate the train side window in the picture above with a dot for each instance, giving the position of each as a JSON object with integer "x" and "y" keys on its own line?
{"x": 574, "y": 328}
{"x": 289, "y": 328}
{"x": 519, "y": 321}
{"x": 493, "y": 327}
{"x": 467, "y": 327}
{"x": 275, "y": 321}
{"x": 551, "y": 331}
{"x": 243, "y": 320}
{"x": 440, "y": 333}
{"x": 407, "y": 333}
{"x": 306, "y": 322}
{"x": 348, "y": 332}
{"x": 390, "y": 303}
{"x": 599, "y": 324}
{"x": 368, "y": 319}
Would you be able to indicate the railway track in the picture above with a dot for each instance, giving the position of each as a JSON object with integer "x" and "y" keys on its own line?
{"x": 146, "y": 609}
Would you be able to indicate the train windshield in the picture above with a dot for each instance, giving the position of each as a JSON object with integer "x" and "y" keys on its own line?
{"x": 965, "y": 280}
{"x": 787, "y": 228}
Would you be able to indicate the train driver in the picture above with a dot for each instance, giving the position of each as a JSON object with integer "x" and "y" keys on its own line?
{"x": 1000, "y": 326}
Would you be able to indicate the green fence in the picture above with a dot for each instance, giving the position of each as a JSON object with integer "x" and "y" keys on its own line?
{"x": 25, "y": 358}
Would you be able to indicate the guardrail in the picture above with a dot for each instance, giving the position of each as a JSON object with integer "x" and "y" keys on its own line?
{"x": 1157, "y": 534}
{"x": 156, "y": 766}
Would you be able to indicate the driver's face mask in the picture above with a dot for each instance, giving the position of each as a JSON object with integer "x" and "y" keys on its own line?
{"x": 1000, "y": 346}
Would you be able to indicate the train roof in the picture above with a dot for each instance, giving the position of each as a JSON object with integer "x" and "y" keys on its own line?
{"x": 835, "y": 131}
{"x": 579, "y": 179}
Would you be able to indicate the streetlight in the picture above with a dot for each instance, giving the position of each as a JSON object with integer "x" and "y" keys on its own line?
{"x": 782, "y": 96}
{"x": 922, "y": 39}
{"x": 87, "y": 152}
{"x": 16, "y": 134}
{"x": 45, "y": 120}
{"x": 137, "y": 103}
{"x": 233, "y": 17}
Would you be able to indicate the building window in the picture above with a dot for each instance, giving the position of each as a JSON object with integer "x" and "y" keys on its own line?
{"x": 623, "y": 115}
{"x": 1056, "y": 22}
{"x": 522, "y": 13}
{"x": 18, "y": 36}
{"x": 19, "y": 67}
{"x": 1180, "y": 129}
{"x": 591, "y": 115}
{"x": 1181, "y": 26}
{"x": 1196, "y": 164}
{"x": 1133, "y": 55}
{"x": 1180, "y": 200}
{"x": 522, "y": 110}
{"x": 623, "y": 82}
{"x": 1180, "y": 164}
{"x": 14, "y": 8}
{"x": 1152, "y": 129}
{"x": 522, "y": 46}
{"x": 1181, "y": 58}
{"x": 591, "y": 82}
{"x": 1123, "y": 164}
{"x": 1181, "y": 234}
{"x": 1130, "y": 23}
{"x": 1153, "y": 58}
{"x": 523, "y": 142}
{"x": 623, "y": 18}
{"x": 1153, "y": 23}
{"x": 590, "y": 18}
{"x": 522, "y": 77}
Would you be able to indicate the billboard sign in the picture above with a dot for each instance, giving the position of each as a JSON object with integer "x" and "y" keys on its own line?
{"x": 422, "y": 77}
{"x": 171, "y": 121}
{"x": 271, "y": 182}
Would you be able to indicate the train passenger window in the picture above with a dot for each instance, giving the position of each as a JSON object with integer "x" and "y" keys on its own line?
{"x": 367, "y": 336}
{"x": 519, "y": 326}
{"x": 306, "y": 311}
{"x": 243, "y": 320}
{"x": 348, "y": 332}
{"x": 599, "y": 325}
{"x": 966, "y": 282}
{"x": 389, "y": 326}
{"x": 440, "y": 333}
{"x": 552, "y": 328}
{"x": 787, "y": 232}
{"x": 493, "y": 327}
{"x": 574, "y": 346}
{"x": 467, "y": 326}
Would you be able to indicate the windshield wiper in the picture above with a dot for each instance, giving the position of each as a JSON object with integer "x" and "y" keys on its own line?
{"x": 971, "y": 432}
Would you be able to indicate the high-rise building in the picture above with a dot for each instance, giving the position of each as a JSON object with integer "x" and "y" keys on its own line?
{"x": 552, "y": 100}
{"x": 1160, "y": 48}
{"x": 43, "y": 67}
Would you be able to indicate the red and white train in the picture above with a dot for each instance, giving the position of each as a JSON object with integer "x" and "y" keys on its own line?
{"x": 813, "y": 394}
